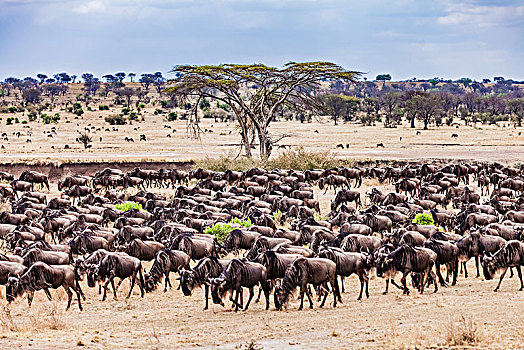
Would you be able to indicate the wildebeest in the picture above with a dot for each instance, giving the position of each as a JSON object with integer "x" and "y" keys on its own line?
{"x": 166, "y": 261}
{"x": 143, "y": 250}
{"x": 207, "y": 268}
{"x": 239, "y": 274}
{"x": 304, "y": 271}
{"x": 408, "y": 259}
{"x": 511, "y": 255}
{"x": 115, "y": 265}
{"x": 348, "y": 264}
{"x": 42, "y": 276}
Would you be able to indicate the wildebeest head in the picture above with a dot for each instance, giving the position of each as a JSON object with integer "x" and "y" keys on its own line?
{"x": 149, "y": 282}
{"x": 488, "y": 267}
{"x": 92, "y": 274}
{"x": 187, "y": 281}
{"x": 13, "y": 288}
{"x": 218, "y": 289}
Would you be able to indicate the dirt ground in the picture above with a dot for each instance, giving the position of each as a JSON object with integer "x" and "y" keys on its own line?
{"x": 499, "y": 142}
{"x": 173, "y": 321}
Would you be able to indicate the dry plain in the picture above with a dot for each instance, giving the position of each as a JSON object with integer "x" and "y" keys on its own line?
{"x": 170, "y": 320}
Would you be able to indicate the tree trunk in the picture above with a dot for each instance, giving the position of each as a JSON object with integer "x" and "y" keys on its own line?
{"x": 413, "y": 122}
{"x": 247, "y": 142}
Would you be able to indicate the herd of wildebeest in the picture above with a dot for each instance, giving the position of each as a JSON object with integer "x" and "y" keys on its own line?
{"x": 58, "y": 242}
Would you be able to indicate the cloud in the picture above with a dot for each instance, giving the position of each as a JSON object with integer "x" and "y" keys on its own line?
{"x": 90, "y": 7}
{"x": 482, "y": 14}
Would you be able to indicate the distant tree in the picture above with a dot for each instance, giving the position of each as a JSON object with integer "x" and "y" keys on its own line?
{"x": 516, "y": 107}
{"x": 497, "y": 79}
{"x": 31, "y": 95}
{"x": 383, "y": 78}
{"x": 465, "y": 81}
{"x": 110, "y": 78}
{"x": 147, "y": 79}
{"x": 91, "y": 84}
{"x": 73, "y": 78}
{"x": 50, "y": 80}
{"x": 425, "y": 107}
{"x": 42, "y": 77}
{"x": 52, "y": 90}
{"x": 389, "y": 102}
{"x": 84, "y": 139}
{"x": 335, "y": 105}
{"x": 486, "y": 81}
{"x": 292, "y": 87}
{"x": 120, "y": 76}
{"x": 127, "y": 93}
{"x": 132, "y": 76}
{"x": 433, "y": 82}
{"x": 62, "y": 78}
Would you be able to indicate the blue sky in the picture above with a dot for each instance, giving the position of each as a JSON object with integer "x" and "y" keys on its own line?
{"x": 406, "y": 38}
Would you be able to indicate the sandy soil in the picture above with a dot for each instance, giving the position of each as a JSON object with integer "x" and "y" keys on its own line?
{"x": 494, "y": 142}
{"x": 170, "y": 320}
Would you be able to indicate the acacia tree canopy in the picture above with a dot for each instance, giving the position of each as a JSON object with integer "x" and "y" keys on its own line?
{"x": 256, "y": 92}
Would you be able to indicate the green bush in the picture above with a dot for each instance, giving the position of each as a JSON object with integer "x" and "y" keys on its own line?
{"x": 243, "y": 223}
{"x": 115, "y": 120}
{"x": 171, "y": 116}
{"x": 32, "y": 115}
{"x": 24, "y": 121}
{"x": 125, "y": 111}
{"x": 48, "y": 119}
{"x": 219, "y": 230}
{"x": 158, "y": 111}
{"x": 133, "y": 116}
{"x": 13, "y": 109}
{"x": 424, "y": 219}
{"x": 9, "y": 121}
{"x": 128, "y": 205}
{"x": 103, "y": 108}
{"x": 141, "y": 105}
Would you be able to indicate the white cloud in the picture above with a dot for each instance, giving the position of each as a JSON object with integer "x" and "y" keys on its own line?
{"x": 470, "y": 13}
{"x": 91, "y": 6}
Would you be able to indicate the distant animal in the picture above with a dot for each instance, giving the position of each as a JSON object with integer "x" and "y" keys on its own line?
{"x": 454, "y": 135}
{"x": 418, "y": 132}
{"x": 380, "y": 145}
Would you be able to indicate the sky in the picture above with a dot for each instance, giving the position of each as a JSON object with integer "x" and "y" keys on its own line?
{"x": 405, "y": 38}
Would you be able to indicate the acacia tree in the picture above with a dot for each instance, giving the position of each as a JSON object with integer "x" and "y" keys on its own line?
{"x": 256, "y": 92}
{"x": 425, "y": 107}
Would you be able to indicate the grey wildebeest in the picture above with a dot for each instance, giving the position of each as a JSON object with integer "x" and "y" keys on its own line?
{"x": 236, "y": 275}
{"x": 348, "y": 264}
{"x": 345, "y": 196}
{"x": 207, "y": 268}
{"x": 304, "y": 271}
{"x": 408, "y": 259}
{"x": 511, "y": 255}
{"x": 166, "y": 261}
{"x": 121, "y": 266}
{"x": 42, "y": 276}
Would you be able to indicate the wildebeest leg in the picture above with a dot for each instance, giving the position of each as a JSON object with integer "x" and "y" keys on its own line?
{"x": 48, "y": 294}
{"x": 403, "y": 281}
{"x": 266, "y": 288}
{"x": 519, "y": 273}
{"x": 361, "y": 278}
{"x": 387, "y": 286}
{"x": 119, "y": 283}
{"x": 239, "y": 290}
{"x": 310, "y": 298}
{"x": 259, "y": 294}
{"x": 251, "y": 294}
{"x": 69, "y": 296}
{"x": 477, "y": 265}
{"x": 133, "y": 278}
{"x": 342, "y": 283}
{"x": 167, "y": 281}
{"x": 439, "y": 275}
{"x": 302, "y": 288}
{"x": 511, "y": 272}
{"x": 455, "y": 272}
{"x": 501, "y": 278}
{"x": 112, "y": 285}
{"x": 206, "y": 292}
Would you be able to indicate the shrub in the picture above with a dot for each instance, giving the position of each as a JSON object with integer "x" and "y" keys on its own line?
{"x": 128, "y": 205}
{"x": 141, "y": 105}
{"x": 32, "y": 115}
{"x": 48, "y": 119}
{"x": 171, "y": 116}
{"x": 13, "y": 109}
{"x": 9, "y": 121}
{"x": 133, "y": 116}
{"x": 103, "y": 108}
{"x": 424, "y": 219}
{"x": 158, "y": 111}
{"x": 24, "y": 121}
{"x": 125, "y": 111}
{"x": 219, "y": 230}
{"x": 115, "y": 120}
{"x": 463, "y": 332}
{"x": 243, "y": 223}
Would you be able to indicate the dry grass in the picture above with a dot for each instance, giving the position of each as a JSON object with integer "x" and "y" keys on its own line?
{"x": 7, "y": 321}
{"x": 296, "y": 158}
{"x": 462, "y": 332}
{"x": 5, "y": 205}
